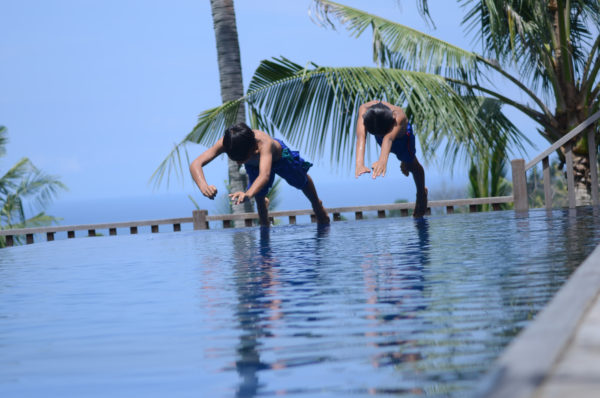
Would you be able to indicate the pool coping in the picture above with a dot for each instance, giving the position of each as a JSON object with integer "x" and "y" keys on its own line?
{"x": 530, "y": 359}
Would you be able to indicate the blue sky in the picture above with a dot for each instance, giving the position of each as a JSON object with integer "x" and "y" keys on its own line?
{"x": 98, "y": 91}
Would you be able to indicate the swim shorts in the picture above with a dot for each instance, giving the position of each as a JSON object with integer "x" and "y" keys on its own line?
{"x": 403, "y": 146}
{"x": 291, "y": 167}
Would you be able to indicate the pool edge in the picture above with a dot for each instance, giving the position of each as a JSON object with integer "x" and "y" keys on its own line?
{"x": 529, "y": 361}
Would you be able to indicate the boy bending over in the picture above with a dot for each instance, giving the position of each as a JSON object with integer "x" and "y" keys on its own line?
{"x": 389, "y": 124}
{"x": 263, "y": 157}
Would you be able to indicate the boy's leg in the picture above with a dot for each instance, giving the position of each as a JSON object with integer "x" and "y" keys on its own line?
{"x": 263, "y": 212}
{"x": 418, "y": 173}
{"x": 311, "y": 193}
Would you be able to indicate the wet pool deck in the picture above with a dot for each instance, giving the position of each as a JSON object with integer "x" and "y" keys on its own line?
{"x": 557, "y": 355}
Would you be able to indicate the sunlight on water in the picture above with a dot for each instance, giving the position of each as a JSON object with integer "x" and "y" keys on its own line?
{"x": 375, "y": 307}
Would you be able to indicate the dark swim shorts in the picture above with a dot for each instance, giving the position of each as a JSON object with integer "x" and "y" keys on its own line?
{"x": 404, "y": 145}
{"x": 291, "y": 167}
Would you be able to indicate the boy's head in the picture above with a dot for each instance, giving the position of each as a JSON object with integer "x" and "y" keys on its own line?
{"x": 239, "y": 142}
{"x": 379, "y": 119}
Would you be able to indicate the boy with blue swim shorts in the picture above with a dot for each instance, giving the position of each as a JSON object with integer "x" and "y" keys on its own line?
{"x": 263, "y": 157}
{"x": 389, "y": 124}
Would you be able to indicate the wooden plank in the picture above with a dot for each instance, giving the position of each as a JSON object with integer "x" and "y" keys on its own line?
{"x": 566, "y": 138}
{"x": 519, "y": 185}
{"x": 570, "y": 175}
{"x": 593, "y": 156}
{"x": 547, "y": 183}
{"x": 199, "y": 218}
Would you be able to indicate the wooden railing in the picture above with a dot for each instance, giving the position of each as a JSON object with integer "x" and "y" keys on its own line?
{"x": 201, "y": 219}
{"x": 519, "y": 168}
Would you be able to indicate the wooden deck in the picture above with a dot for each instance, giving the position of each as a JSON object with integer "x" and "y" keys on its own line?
{"x": 558, "y": 354}
{"x": 201, "y": 219}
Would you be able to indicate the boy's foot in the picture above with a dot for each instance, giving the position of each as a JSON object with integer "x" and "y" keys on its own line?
{"x": 404, "y": 168}
{"x": 321, "y": 214}
{"x": 421, "y": 205}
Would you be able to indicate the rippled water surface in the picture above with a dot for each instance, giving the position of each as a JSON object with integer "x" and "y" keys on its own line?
{"x": 374, "y": 307}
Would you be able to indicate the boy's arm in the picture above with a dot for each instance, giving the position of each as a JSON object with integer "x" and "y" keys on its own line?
{"x": 264, "y": 173}
{"x": 380, "y": 166}
{"x": 210, "y": 191}
{"x": 361, "y": 138}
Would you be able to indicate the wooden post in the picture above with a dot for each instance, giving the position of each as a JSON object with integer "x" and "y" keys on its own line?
{"x": 358, "y": 215}
{"x": 248, "y": 222}
{"x": 496, "y": 207}
{"x": 337, "y": 217}
{"x": 570, "y": 175}
{"x": 29, "y": 239}
{"x": 292, "y": 220}
{"x": 547, "y": 186}
{"x": 593, "y": 162}
{"x": 176, "y": 227}
{"x": 403, "y": 212}
{"x": 472, "y": 208}
{"x": 112, "y": 231}
{"x": 49, "y": 236}
{"x": 70, "y": 234}
{"x": 133, "y": 230}
{"x": 449, "y": 209}
{"x": 10, "y": 240}
{"x": 380, "y": 213}
{"x": 91, "y": 232}
{"x": 519, "y": 185}
{"x": 154, "y": 229}
{"x": 313, "y": 218}
{"x": 227, "y": 224}
{"x": 199, "y": 217}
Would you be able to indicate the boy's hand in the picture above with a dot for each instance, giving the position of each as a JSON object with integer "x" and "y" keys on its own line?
{"x": 210, "y": 191}
{"x": 238, "y": 197}
{"x": 379, "y": 168}
{"x": 360, "y": 170}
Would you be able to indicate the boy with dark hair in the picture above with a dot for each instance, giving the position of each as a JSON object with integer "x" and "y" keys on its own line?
{"x": 389, "y": 124}
{"x": 263, "y": 157}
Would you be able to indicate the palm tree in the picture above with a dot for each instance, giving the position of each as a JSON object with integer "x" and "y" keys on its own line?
{"x": 488, "y": 169}
{"x": 24, "y": 183}
{"x": 230, "y": 71}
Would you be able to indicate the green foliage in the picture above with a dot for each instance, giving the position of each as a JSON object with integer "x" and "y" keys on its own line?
{"x": 25, "y": 184}
{"x": 535, "y": 186}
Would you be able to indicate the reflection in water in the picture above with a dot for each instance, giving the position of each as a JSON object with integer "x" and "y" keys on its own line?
{"x": 395, "y": 282}
{"x": 258, "y": 280}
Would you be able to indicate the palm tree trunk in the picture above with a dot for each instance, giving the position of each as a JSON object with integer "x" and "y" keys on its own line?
{"x": 230, "y": 71}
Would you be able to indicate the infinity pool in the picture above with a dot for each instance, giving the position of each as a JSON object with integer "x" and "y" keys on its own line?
{"x": 388, "y": 307}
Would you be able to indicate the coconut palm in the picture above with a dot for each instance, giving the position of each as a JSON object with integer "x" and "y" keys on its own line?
{"x": 230, "y": 71}
{"x": 24, "y": 184}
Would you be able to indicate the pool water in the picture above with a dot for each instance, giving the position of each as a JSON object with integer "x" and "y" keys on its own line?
{"x": 388, "y": 307}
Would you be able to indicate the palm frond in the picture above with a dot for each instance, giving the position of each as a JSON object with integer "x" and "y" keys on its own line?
{"x": 316, "y": 107}
{"x": 3, "y": 140}
{"x": 399, "y": 46}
